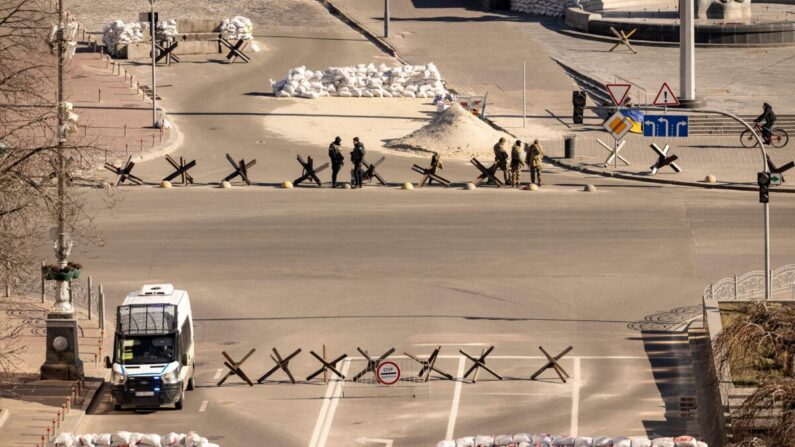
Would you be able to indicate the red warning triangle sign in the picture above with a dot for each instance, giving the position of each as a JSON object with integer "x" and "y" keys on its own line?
{"x": 618, "y": 92}
{"x": 666, "y": 97}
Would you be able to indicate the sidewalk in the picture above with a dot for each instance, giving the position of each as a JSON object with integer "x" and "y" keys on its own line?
{"x": 114, "y": 114}
{"x": 29, "y": 406}
{"x": 721, "y": 156}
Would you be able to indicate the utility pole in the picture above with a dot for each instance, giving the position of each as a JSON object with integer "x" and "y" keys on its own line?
{"x": 386, "y": 18}
{"x": 152, "y": 24}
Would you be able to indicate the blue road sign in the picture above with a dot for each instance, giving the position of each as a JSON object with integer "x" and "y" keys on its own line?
{"x": 665, "y": 126}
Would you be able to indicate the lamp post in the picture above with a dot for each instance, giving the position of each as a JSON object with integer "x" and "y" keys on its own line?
{"x": 152, "y": 24}
{"x": 62, "y": 353}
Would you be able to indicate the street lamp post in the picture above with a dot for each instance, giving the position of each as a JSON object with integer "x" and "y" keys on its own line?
{"x": 152, "y": 25}
{"x": 62, "y": 354}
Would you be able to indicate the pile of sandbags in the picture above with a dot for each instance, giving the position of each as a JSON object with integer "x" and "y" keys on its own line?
{"x": 117, "y": 32}
{"x": 551, "y": 8}
{"x": 237, "y": 27}
{"x": 125, "y": 438}
{"x": 545, "y": 440}
{"x": 366, "y": 81}
{"x": 166, "y": 30}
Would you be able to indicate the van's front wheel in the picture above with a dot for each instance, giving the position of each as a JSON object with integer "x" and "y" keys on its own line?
{"x": 191, "y": 382}
{"x": 178, "y": 405}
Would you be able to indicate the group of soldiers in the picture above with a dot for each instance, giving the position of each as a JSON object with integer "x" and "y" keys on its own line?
{"x": 337, "y": 160}
{"x": 530, "y": 154}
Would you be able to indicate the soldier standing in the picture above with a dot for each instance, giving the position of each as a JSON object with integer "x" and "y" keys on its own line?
{"x": 357, "y": 157}
{"x": 516, "y": 163}
{"x": 337, "y": 159}
{"x": 535, "y": 157}
{"x": 501, "y": 158}
{"x": 436, "y": 164}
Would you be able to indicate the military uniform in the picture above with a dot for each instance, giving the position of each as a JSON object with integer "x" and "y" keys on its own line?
{"x": 516, "y": 164}
{"x": 501, "y": 159}
{"x": 535, "y": 157}
{"x": 357, "y": 157}
{"x": 337, "y": 160}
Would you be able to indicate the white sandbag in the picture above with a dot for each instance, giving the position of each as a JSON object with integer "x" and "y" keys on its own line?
{"x": 641, "y": 441}
{"x": 345, "y": 94}
{"x": 583, "y": 441}
{"x": 685, "y": 441}
{"x": 663, "y": 442}
{"x": 120, "y": 437}
{"x": 102, "y": 440}
{"x": 522, "y": 437}
{"x": 86, "y": 440}
{"x": 171, "y": 439}
{"x": 603, "y": 441}
{"x": 64, "y": 440}
{"x": 503, "y": 440}
{"x": 484, "y": 441}
{"x": 467, "y": 441}
{"x": 564, "y": 441}
{"x": 446, "y": 443}
{"x": 367, "y": 94}
{"x": 149, "y": 440}
{"x": 622, "y": 441}
{"x": 284, "y": 94}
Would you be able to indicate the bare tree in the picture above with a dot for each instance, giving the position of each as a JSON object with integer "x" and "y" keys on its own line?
{"x": 43, "y": 169}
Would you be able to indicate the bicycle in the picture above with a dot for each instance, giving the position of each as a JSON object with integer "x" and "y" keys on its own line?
{"x": 778, "y": 137}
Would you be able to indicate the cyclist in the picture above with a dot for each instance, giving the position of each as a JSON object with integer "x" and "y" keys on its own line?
{"x": 769, "y": 117}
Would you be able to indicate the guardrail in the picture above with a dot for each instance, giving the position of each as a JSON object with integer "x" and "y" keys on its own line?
{"x": 751, "y": 286}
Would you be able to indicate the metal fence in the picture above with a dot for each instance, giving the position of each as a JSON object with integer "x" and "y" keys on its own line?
{"x": 751, "y": 286}
{"x": 410, "y": 383}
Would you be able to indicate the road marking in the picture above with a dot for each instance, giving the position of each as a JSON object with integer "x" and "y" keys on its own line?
{"x": 321, "y": 418}
{"x": 456, "y": 399}
{"x": 335, "y": 400}
{"x": 203, "y": 406}
{"x": 217, "y": 374}
{"x": 575, "y": 400}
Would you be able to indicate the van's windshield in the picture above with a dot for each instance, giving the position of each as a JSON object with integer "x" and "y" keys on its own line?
{"x": 145, "y": 349}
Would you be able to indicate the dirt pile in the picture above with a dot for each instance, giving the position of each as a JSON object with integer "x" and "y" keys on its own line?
{"x": 453, "y": 133}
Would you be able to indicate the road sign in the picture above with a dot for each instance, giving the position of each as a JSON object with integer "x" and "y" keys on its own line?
{"x": 618, "y": 92}
{"x": 666, "y": 97}
{"x": 618, "y": 125}
{"x": 775, "y": 179}
{"x": 387, "y": 373}
{"x": 665, "y": 126}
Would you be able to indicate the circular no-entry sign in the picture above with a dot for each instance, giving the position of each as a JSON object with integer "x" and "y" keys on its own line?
{"x": 387, "y": 373}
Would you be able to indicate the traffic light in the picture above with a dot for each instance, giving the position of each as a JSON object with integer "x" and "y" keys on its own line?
{"x": 578, "y": 101}
{"x": 763, "y": 179}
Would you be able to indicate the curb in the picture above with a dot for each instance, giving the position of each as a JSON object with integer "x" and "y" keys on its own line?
{"x": 382, "y": 44}
{"x": 725, "y": 186}
{"x": 655, "y": 43}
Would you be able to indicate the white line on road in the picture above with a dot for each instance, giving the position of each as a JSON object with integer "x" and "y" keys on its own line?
{"x": 217, "y": 374}
{"x": 456, "y": 400}
{"x": 203, "y": 406}
{"x": 335, "y": 400}
{"x": 321, "y": 418}
{"x": 575, "y": 400}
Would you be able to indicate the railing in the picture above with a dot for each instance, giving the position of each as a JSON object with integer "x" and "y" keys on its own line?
{"x": 751, "y": 286}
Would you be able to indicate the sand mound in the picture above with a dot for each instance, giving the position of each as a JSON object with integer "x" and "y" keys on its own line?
{"x": 454, "y": 132}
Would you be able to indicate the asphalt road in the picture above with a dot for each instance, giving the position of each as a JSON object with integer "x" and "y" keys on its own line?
{"x": 380, "y": 268}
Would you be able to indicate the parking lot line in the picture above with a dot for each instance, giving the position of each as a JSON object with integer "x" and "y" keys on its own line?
{"x": 575, "y": 399}
{"x": 217, "y": 374}
{"x": 203, "y": 406}
{"x": 456, "y": 400}
{"x": 321, "y": 418}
